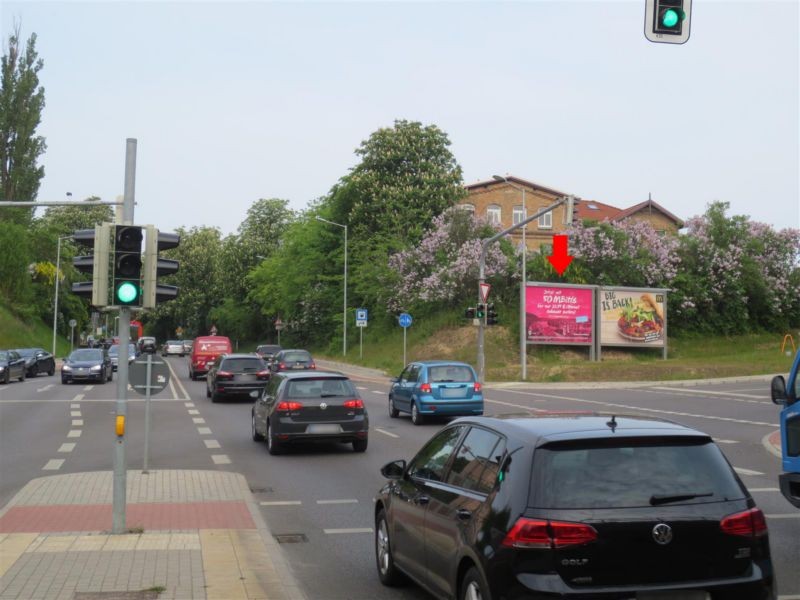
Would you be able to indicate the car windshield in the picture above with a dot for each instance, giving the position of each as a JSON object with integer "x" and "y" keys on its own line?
{"x": 635, "y": 474}
{"x": 242, "y": 365}
{"x": 297, "y": 356}
{"x": 320, "y": 388}
{"x": 26, "y": 352}
{"x": 86, "y": 354}
{"x": 3, "y": 355}
{"x": 113, "y": 350}
{"x": 446, "y": 373}
{"x": 213, "y": 347}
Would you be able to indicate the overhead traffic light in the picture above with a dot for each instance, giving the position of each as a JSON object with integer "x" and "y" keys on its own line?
{"x": 572, "y": 211}
{"x": 154, "y": 266}
{"x": 99, "y": 239}
{"x": 469, "y": 313}
{"x": 491, "y": 315}
{"x": 480, "y": 311}
{"x": 667, "y": 21}
{"x": 127, "y": 266}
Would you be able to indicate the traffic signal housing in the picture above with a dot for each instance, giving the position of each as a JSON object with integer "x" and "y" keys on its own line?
{"x": 127, "y": 266}
{"x": 572, "y": 211}
{"x": 469, "y": 313}
{"x": 491, "y": 315}
{"x": 480, "y": 311}
{"x": 667, "y": 21}
{"x": 97, "y": 263}
{"x": 154, "y": 266}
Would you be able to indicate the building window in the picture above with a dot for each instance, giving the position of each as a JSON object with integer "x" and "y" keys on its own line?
{"x": 661, "y": 232}
{"x": 466, "y": 207}
{"x": 493, "y": 214}
{"x": 517, "y": 215}
{"x": 546, "y": 220}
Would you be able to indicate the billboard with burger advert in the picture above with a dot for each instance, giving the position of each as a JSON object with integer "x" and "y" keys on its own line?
{"x": 633, "y": 317}
{"x": 559, "y": 314}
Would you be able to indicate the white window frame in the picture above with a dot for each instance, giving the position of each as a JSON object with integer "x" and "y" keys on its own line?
{"x": 494, "y": 214}
{"x": 517, "y": 215}
{"x": 546, "y": 220}
{"x": 467, "y": 207}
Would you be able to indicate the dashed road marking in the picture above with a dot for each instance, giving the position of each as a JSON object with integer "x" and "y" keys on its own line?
{"x": 377, "y": 392}
{"x": 384, "y": 432}
{"x": 528, "y": 408}
{"x": 742, "y": 471}
{"x": 45, "y": 388}
{"x": 212, "y": 444}
{"x": 351, "y": 530}
{"x": 177, "y": 381}
{"x": 281, "y": 503}
{"x": 75, "y": 413}
{"x": 726, "y": 441}
{"x": 88, "y": 388}
{"x": 73, "y": 433}
{"x": 344, "y": 501}
{"x": 53, "y": 464}
{"x": 786, "y": 516}
{"x": 78, "y": 398}
{"x": 74, "y": 405}
{"x": 763, "y": 489}
{"x": 359, "y": 387}
{"x": 711, "y": 393}
{"x": 77, "y": 422}
{"x": 193, "y": 411}
{"x": 204, "y": 430}
{"x": 220, "y": 459}
{"x": 189, "y": 404}
{"x": 67, "y": 447}
{"x": 199, "y": 420}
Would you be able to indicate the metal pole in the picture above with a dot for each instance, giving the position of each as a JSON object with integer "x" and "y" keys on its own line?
{"x": 55, "y": 303}
{"x": 71, "y": 337}
{"x": 404, "y": 346}
{"x": 147, "y": 411}
{"x": 361, "y": 343}
{"x": 344, "y": 308}
{"x": 523, "y": 353}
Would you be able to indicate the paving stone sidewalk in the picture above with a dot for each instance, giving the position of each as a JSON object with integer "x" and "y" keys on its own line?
{"x": 191, "y": 535}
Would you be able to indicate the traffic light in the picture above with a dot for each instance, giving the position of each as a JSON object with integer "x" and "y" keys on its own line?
{"x": 127, "y": 266}
{"x": 491, "y": 315}
{"x": 480, "y": 312}
{"x": 667, "y": 21}
{"x": 154, "y": 292}
{"x": 99, "y": 240}
{"x": 469, "y": 313}
{"x": 572, "y": 210}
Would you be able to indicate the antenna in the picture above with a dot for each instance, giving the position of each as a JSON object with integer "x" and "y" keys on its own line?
{"x": 612, "y": 423}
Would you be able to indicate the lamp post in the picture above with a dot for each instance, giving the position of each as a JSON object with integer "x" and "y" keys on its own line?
{"x": 523, "y": 354}
{"x": 344, "y": 306}
{"x": 57, "y": 281}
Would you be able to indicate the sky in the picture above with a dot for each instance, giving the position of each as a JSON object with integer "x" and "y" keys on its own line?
{"x": 231, "y": 102}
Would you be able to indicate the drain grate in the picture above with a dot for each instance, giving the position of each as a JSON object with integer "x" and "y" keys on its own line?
{"x": 261, "y": 490}
{"x": 291, "y": 538}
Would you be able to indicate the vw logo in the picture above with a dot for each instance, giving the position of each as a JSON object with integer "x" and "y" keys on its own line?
{"x": 662, "y": 534}
{"x": 323, "y": 406}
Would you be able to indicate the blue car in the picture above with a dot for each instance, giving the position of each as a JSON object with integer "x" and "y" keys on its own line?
{"x": 436, "y": 388}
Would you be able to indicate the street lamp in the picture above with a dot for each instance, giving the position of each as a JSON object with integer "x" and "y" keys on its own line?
{"x": 523, "y": 354}
{"x": 344, "y": 306}
{"x": 57, "y": 281}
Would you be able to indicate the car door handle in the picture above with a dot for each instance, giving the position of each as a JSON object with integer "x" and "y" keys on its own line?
{"x": 463, "y": 514}
{"x": 422, "y": 500}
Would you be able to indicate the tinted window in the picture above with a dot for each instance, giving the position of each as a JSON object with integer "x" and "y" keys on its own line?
{"x": 625, "y": 476}
{"x": 477, "y": 461}
{"x": 243, "y": 365}
{"x": 319, "y": 388}
{"x": 86, "y": 354}
{"x": 413, "y": 374}
{"x": 268, "y": 349}
{"x": 445, "y": 373}
{"x": 26, "y": 352}
{"x": 297, "y": 355}
{"x": 431, "y": 461}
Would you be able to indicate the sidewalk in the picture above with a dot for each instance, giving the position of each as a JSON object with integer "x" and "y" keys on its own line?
{"x": 192, "y": 535}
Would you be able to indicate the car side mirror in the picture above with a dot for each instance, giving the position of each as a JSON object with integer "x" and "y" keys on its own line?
{"x": 394, "y": 380}
{"x": 778, "y": 390}
{"x": 394, "y": 470}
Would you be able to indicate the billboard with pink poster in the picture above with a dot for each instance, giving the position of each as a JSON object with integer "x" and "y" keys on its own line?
{"x": 559, "y": 314}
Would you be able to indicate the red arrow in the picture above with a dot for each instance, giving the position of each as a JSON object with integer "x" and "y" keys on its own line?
{"x": 560, "y": 259}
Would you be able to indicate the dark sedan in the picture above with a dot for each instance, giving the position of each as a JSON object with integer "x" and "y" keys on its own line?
{"x": 37, "y": 360}
{"x": 292, "y": 360}
{"x": 568, "y": 506}
{"x": 12, "y": 366}
{"x": 232, "y": 375}
{"x": 113, "y": 354}
{"x": 87, "y": 364}
{"x": 268, "y": 351}
{"x": 309, "y": 407}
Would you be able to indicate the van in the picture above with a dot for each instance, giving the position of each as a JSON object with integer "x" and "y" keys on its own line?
{"x": 205, "y": 351}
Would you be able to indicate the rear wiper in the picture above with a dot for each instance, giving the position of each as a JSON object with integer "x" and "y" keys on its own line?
{"x": 444, "y": 381}
{"x": 656, "y": 499}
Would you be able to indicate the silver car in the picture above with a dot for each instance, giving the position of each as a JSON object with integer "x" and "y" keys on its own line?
{"x": 173, "y": 347}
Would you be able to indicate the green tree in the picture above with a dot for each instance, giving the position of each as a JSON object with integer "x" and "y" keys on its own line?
{"x": 63, "y": 220}
{"x": 21, "y": 104}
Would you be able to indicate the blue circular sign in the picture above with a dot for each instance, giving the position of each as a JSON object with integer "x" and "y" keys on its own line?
{"x": 405, "y": 320}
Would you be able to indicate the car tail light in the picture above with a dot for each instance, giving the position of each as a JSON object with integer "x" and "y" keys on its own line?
{"x": 540, "y": 533}
{"x": 353, "y": 403}
{"x": 313, "y": 365}
{"x": 749, "y": 523}
{"x": 282, "y": 365}
{"x": 288, "y": 406}
{"x": 224, "y": 375}
{"x": 263, "y": 374}
{"x": 425, "y": 388}
{"x": 478, "y": 386}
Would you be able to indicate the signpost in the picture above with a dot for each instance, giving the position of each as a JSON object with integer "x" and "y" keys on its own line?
{"x": 405, "y": 321}
{"x": 279, "y": 327}
{"x": 147, "y": 376}
{"x": 72, "y": 323}
{"x": 361, "y": 322}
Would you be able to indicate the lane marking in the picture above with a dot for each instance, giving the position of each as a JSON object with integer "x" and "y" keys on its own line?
{"x": 189, "y": 404}
{"x": 763, "y": 489}
{"x": 194, "y": 411}
{"x": 693, "y": 395}
{"x": 178, "y": 381}
{"x": 53, "y": 464}
{"x": 62, "y": 401}
{"x": 67, "y": 447}
{"x": 281, "y": 503}
{"x": 88, "y": 388}
{"x": 204, "y": 430}
{"x": 220, "y": 459}
{"x": 75, "y": 413}
{"x": 212, "y": 444}
{"x": 172, "y": 387}
{"x": 709, "y": 392}
{"x": 351, "y": 530}
{"x": 378, "y": 429}
{"x": 77, "y": 422}
{"x": 79, "y": 397}
{"x": 74, "y": 405}
{"x": 361, "y": 387}
{"x": 198, "y": 420}
{"x": 528, "y": 408}
{"x": 742, "y": 471}
{"x": 45, "y": 388}
{"x": 725, "y": 441}
{"x": 74, "y": 433}
{"x": 786, "y": 516}
{"x": 346, "y": 501}
{"x": 377, "y": 392}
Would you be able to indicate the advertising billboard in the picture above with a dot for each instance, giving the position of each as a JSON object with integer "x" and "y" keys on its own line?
{"x": 559, "y": 314}
{"x": 633, "y": 317}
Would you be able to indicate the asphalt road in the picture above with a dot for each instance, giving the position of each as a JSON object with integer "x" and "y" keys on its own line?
{"x": 320, "y": 498}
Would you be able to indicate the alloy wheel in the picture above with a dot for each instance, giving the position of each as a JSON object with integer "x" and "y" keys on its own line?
{"x": 473, "y": 591}
{"x": 382, "y": 542}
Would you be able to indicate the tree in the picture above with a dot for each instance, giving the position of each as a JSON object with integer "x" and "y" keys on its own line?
{"x": 21, "y": 104}
{"x": 63, "y": 220}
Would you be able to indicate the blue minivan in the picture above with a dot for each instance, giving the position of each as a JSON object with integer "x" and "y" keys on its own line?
{"x": 436, "y": 388}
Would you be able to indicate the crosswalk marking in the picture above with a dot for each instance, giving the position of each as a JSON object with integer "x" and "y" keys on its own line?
{"x": 67, "y": 447}
{"x": 53, "y": 464}
{"x": 220, "y": 459}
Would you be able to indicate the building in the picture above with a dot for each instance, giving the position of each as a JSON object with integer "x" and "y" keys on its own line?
{"x": 650, "y": 211}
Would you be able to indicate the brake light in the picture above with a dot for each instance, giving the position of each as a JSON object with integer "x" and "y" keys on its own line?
{"x": 478, "y": 386}
{"x": 749, "y": 523}
{"x": 353, "y": 403}
{"x": 540, "y": 533}
{"x": 263, "y": 374}
{"x": 224, "y": 375}
{"x": 313, "y": 365}
{"x": 282, "y": 365}
{"x": 288, "y": 406}
{"x": 425, "y": 388}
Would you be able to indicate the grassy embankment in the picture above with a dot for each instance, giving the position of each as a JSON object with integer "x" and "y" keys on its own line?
{"x": 16, "y": 334}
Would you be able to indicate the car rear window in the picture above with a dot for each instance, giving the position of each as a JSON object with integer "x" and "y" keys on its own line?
{"x": 447, "y": 373}
{"x": 212, "y": 347}
{"x": 320, "y": 388}
{"x": 269, "y": 349}
{"x": 243, "y": 365}
{"x": 299, "y": 355}
{"x": 602, "y": 476}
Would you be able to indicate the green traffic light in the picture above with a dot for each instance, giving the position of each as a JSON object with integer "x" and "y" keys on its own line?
{"x": 127, "y": 292}
{"x": 670, "y": 18}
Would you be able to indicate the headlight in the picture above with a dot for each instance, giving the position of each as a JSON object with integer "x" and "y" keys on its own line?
{"x": 97, "y": 367}
{"x": 2, "y": 369}
{"x": 66, "y": 368}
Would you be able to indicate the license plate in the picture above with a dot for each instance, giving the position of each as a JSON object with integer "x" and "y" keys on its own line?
{"x": 324, "y": 428}
{"x": 298, "y": 366}
{"x": 82, "y": 370}
{"x": 682, "y": 595}
{"x": 452, "y": 392}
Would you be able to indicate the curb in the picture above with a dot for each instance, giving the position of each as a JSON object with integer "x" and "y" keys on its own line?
{"x": 577, "y": 385}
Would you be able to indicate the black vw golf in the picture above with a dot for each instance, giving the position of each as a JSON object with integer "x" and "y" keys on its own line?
{"x": 571, "y": 506}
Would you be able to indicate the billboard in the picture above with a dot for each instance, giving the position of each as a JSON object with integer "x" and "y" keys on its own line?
{"x": 559, "y": 314}
{"x": 633, "y": 317}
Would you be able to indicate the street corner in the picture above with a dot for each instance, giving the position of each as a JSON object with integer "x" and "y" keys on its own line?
{"x": 772, "y": 442}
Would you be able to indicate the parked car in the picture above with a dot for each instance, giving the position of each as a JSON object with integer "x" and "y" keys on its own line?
{"x": 232, "y": 375}
{"x": 187, "y": 346}
{"x": 290, "y": 360}
{"x": 37, "y": 360}
{"x": 173, "y": 347}
{"x": 147, "y": 344}
{"x": 571, "y": 506}
{"x": 436, "y": 388}
{"x": 268, "y": 351}
{"x": 87, "y": 364}
{"x": 299, "y": 407}
{"x": 12, "y": 366}
{"x": 113, "y": 354}
{"x": 205, "y": 351}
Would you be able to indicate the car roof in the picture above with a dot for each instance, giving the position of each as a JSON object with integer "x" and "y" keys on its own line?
{"x": 436, "y": 363}
{"x": 241, "y": 355}
{"x": 295, "y": 350}
{"x": 311, "y": 375}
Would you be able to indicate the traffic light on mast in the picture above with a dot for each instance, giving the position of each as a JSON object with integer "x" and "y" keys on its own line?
{"x": 491, "y": 315}
{"x": 154, "y": 266}
{"x": 127, "y": 266}
{"x": 480, "y": 311}
{"x": 667, "y": 21}
{"x": 99, "y": 239}
{"x": 469, "y": 313}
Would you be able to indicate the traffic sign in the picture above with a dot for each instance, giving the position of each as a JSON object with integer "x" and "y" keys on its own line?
{"x": 279, "y": 325}
{"x": 179, "y": 331}
{"x": 361, "y": 317}
{"x": 405, "y": 320}
{"x": 72, "y": 322}
{"x": 159, "y": 374}
{"x": 484, "y": 290}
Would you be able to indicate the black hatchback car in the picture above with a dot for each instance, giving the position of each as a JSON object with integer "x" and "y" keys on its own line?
{"x": 567, "y": 506}
{"x": 233, "y": 375}
{"x": 292, "y": 360}
{"x": 304, "y": 407}
{"x": 37, "y": 360}
{"x": 12, "y": 366}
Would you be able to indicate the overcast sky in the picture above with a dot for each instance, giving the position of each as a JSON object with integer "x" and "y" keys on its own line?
{"x": 231, "y": 102}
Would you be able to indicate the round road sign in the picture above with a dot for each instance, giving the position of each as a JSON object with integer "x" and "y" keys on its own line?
{"x": 405, "y": 320}
{"x": 72, "y": 322}
{"x": 159, "y": 374}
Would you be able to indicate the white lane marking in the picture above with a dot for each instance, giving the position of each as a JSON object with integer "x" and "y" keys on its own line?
{"x": 710, "y": 393}
{"x": 75, "y": 405}
{"x": 742, "y": 471}
{"x": 74, "y": 433}
{"x": 726, "y": 441}
{"x": 786, "y": 516}
{"x": 212, "y": 444}
{"x": 88, "y": 388}
{"x": 386, "y": 432}
{"x": 77, "y": 422}
{"x": 359, "y": 387}
{"x": 172, "y": 387}
{"x": 75, "y": 413}
{"x": 763, "y": 489}
{"x": 53, "y": 464}
{"x": 198, "y": 420}
{"x": 204, "y": 430}
{"x": 220, "y": 459}
{"x": 189, "y": 404}
{"x": 177, "y": 380}
{"x": 194, "y": 411}
{"x": 792, "y": 597}
{"x": 345, "y": 501}
{"x": 528, "y": 408}
{"x": 69, "y": 447}
{"x": 78, "y": 398}
{"x": 45, "y": 388}
{"x": 633, "y": 408}
{"x": 377, "y": 392}
{"x": 281, "y": 503}
{"x": 351, "y": 530}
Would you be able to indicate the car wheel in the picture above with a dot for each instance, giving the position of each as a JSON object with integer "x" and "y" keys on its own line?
{"x": 257, "y": 437}
{"x": 273, "y": 445}
{"x": 360, "y": 445}
{"x": 387, "y": 572}
{"x": 393, "y": 412}
{"x": 64, "y": 380}
{"x": 473, "y": 587}
{"x": 52, "y": 370}
{"x": 22, "y": 375}
{"x": 416, "y": 418}
{"x": 111, "y": 375}
{"x": 215, "y": 397}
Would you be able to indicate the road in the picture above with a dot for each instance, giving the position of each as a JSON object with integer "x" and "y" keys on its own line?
{"x": 319, "y": 499}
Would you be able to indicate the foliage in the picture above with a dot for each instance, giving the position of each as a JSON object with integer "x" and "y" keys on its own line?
{"x": 64, "y": 220}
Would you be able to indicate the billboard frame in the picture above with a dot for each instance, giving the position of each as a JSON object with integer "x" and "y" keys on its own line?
{"x": 623, "y": 288}
{"x": 594, "y": 344}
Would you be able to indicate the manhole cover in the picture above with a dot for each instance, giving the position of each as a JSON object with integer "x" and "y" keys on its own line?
{"x": 291, "y": 538}
{"x": 261, "y": 490}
